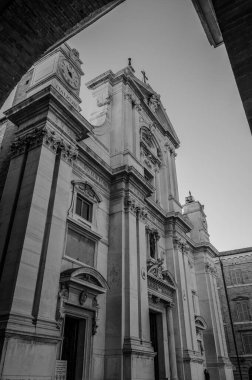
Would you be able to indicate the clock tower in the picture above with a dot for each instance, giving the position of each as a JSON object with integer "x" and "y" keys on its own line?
{"x": 60, "y": 68}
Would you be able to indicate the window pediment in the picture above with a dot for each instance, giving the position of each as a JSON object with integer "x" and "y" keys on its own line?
{"x": 87, "y": 190}
{"x": 86, "y": 277}
{"x": 200, "y": 323}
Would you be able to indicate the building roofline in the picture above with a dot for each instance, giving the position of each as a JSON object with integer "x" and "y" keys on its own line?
{"x": 208, "y": 19}
{"x": 235, "y": 251}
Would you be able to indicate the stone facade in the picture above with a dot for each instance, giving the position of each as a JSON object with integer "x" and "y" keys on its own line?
{"x": 102, "y": 269}
{"x": 238, "y": 275}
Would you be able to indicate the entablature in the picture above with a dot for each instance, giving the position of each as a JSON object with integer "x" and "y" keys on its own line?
{"x": 161, "y": 284}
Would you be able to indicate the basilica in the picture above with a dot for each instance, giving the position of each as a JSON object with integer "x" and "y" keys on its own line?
{"x": 104, "y": 274}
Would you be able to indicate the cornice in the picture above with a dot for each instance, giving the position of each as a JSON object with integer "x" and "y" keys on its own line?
{"x": 49, "y": 99}
{"x": 206, "y": 246}
{"x": 128, "y": 173}
{"x": 178, "y": 218}
{"x": 236, "y": 251}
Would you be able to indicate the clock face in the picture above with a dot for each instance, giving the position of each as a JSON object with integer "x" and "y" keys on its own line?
{"x": 69, "y": 74}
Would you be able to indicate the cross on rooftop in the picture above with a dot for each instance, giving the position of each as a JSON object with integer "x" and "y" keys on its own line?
{"x": 144, "y": 76}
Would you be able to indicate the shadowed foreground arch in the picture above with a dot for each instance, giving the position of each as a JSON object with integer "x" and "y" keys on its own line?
{"x": 29, "y": 28}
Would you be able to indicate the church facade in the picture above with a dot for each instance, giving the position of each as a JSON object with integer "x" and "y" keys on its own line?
{"x": 104, "y": 274}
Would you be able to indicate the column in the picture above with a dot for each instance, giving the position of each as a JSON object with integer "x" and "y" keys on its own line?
{"x": 174, "y": 173}
{"x": 157, "y": 183}
{"x": 170, "y": 173}
{"x": 171, "y": 344}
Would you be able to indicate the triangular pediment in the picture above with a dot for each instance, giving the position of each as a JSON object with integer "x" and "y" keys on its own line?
{"x": 159, "y": 114}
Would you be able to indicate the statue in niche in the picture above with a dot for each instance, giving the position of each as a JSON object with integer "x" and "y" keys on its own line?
{"x": 152, "y": 246}
{"x": 147, "y": 137}
{"x": 154, "y": 102}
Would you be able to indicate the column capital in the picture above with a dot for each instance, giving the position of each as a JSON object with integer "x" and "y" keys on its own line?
{"x": 47, "y": 137}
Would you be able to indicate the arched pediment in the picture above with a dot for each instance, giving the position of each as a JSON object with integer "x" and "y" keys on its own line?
{"x": 87, "y": 190}
{"x": 87, "y": 277}
{"x": 200, "y": 322}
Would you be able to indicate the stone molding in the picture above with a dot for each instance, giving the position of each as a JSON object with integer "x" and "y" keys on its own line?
{"x": 48, "y": 138}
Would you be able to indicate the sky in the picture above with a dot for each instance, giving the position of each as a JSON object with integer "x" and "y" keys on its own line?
{"x": 198, "y": 90}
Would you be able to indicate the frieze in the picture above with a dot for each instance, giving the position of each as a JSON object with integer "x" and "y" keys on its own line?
{"x": 92, "y": 174}
{"x": 161, "y": 290}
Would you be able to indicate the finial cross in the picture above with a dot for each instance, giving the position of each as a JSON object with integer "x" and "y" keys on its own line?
{"x": 144, "y": 76}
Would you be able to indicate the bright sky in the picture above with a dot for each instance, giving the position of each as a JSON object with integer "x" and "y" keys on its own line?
{"x": 198, "y": 90}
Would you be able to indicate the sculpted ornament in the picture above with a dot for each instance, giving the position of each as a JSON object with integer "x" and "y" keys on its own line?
{"x": 154, "y": 102}
{"x": 82, "y": 298}
{"x": 180, "y": 244}
{"x": 156, "y": 267}
{"x": 210, "y": 268}
{"x": 137, "y": 209}
{"x": 104, "y": 101}
{"x": 62, "y": 297}
{"x": 47, "y": 137}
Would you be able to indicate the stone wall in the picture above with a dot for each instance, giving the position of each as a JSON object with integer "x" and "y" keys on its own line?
{"x": 238, "y": 276}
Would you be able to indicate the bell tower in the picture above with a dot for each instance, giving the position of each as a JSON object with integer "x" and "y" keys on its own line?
{"x": 194, "y": 210}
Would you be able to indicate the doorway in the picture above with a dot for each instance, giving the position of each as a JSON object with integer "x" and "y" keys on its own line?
{"x": 157, "y": 340}
{"x": 73, "y": 346}
{"x": 250, "y": 373}
{"x": 154, "y": 341}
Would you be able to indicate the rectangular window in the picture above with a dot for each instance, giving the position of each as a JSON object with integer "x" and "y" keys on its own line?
{"x": 242, "y": 310}
{"x": 247, "y": 342}
{"x": 84, "y": 208}
{"x": 236, "y": 276}
{"x": 80, "y": 247}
